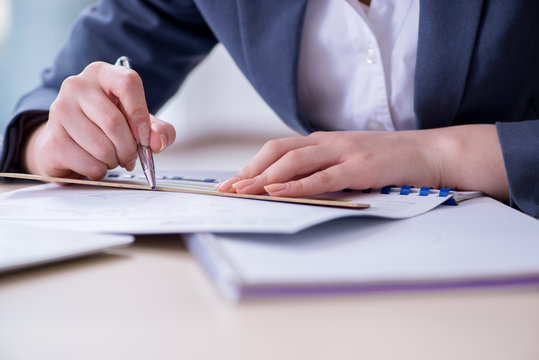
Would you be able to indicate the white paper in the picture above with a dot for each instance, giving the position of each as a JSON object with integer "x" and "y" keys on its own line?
{"x": 22, "y": 246}
{"x": 98, "y": 209}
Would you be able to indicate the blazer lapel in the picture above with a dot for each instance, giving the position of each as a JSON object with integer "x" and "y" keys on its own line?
{"x": 271, "y": 35}
{"x": 447, "y": 33}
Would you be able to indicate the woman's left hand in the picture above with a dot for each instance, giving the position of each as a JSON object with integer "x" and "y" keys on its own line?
{"x": 332, "y": 161}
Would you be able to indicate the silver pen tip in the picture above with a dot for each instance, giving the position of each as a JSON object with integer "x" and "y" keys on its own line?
{"x": 150, "y": 177}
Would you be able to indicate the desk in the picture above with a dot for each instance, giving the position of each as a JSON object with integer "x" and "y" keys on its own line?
{"x": 152, "y": 301}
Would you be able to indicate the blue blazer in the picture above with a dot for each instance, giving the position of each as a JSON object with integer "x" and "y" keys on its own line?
{"x": 477, "y": 62}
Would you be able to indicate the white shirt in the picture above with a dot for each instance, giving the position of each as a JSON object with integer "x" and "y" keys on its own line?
{"x": 357, "y": 64}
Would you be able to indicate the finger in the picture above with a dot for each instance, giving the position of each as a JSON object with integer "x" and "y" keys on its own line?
{"x": 102, "y": 111}
{"x": 84, "y": 132}
{"x": 267, "y": 155}
{"x": 74, "y": 161}
{"x": 295, "y": 163}
{"x": 334, "y": 178}
{"x": 271, "y": 152}
{"x": 162, "y": 135}
{"x": 125, "y": 86}
{"x": 228, "y": 185}
{"x": 83, "y": 163}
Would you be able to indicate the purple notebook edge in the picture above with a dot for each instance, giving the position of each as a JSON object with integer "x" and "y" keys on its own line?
{"x": 350, "y": 289}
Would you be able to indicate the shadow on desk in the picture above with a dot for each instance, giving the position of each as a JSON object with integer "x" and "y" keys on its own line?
{"x": 160, "y": 242}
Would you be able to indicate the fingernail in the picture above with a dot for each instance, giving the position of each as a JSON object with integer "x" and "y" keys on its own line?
{"x": 163, "y": 142}
{"x": 227, "y": 184}
{"x": 243, "y": 184}
{"x": 273, "y": 188}
{"x": 144, "y": 134}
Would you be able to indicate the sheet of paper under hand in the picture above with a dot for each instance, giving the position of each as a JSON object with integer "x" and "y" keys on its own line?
{"x": 115, "y": 210}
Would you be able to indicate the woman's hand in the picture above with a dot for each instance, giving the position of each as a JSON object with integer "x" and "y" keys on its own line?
{"x": 462, "y": 157}
{"x": 94, "y": 125}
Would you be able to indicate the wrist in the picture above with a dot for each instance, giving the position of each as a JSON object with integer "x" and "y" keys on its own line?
{"x": 469, "y": 157}
{"x": 28, "y": 161}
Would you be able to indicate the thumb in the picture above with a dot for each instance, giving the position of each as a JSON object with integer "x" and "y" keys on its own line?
{"x": 162, "y": 135}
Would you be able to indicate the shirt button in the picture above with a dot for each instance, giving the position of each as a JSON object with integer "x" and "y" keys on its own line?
{"x": 375, "y": 125}
{"x": 370, "y": 58}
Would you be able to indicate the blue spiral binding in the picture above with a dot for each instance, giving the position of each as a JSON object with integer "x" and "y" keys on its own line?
{"x": 424, "y": 191}
{"x": 445, "y": 192}
{"x": 405, "y": 190}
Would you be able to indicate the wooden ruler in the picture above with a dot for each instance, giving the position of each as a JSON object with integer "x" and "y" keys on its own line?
{"x": 127, "y": 185}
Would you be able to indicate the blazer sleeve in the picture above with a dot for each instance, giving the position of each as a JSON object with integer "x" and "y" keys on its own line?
{"x": 520, "y": 149}
{"x": 164, "y": 40}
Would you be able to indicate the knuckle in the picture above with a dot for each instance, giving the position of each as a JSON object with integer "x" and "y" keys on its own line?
{"x": 272, "y": 146}
{"x": 138, "y": 113}
{"x": 324, "y": 177}
{"x": 57, "y": 107}
{"x": 317, "y": 135}
{"x": 96, "y": 171}
{"x": 111, "y": 120}
{"x": 71, "y": 84}
{"x": 363, "y": 157}
{"x": 130, "y": 79}
{"x": 293, "y": 156}
{"x": 262, "y": 178}
{"x": 103, "y": 150}
{"x": 296, "y": 186}
{"x": 94, "y": 67}
{"x": 245, "y": 172}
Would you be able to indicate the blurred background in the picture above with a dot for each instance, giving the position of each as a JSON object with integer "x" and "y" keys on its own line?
{"x": 31, "y": 32}
{"x": 219, "y": 119}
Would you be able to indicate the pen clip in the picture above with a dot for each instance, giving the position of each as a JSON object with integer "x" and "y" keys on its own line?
{"x": 123, "y": 61}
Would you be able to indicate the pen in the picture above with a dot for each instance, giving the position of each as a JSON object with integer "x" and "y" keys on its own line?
{"x": 144, "y": 152}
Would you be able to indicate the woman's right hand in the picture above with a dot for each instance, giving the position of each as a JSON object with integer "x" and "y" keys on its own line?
{"x": 94, "y": 125}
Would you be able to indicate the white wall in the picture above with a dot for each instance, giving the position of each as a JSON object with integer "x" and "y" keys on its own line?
{"x": 216, "y": 100}
{"x": 31, "y": 33}
{"x": 5, "y": 19}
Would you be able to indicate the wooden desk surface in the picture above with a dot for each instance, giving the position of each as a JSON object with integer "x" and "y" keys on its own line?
{"x": 152, "y": 301}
